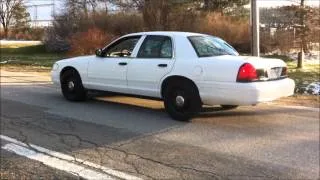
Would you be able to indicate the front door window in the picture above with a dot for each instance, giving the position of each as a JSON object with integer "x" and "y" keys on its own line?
{"x": 122, "y": 47}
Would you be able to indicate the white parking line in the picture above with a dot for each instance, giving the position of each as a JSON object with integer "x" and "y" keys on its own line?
{"x": 62, "y": 161}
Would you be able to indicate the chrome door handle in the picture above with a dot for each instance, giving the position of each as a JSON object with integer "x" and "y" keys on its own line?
{"x": 122, "y": 63}
{"x": 162, "y": 65}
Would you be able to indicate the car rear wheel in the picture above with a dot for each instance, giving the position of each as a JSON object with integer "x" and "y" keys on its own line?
{"x": 182, "y": 100}
{"x": 71, "y": 86}
{"x": 228, "y": 107}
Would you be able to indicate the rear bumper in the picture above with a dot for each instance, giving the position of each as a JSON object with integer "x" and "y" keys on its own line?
{"x": 244, "y": 93}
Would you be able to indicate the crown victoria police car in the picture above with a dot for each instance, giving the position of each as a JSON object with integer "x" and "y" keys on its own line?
{"x": 185, "y": 70}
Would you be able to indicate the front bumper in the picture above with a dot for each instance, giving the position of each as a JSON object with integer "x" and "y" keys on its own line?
{"x": 218, "y": 93}
{"x": 55, "y": 78}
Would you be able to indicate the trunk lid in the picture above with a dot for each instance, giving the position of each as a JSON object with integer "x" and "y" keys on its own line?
{"x": 264, "y": 63}
{"x": 267, "y": 68}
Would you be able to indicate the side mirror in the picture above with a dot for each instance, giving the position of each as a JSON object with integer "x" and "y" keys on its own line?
{"x": 99, "y": 52}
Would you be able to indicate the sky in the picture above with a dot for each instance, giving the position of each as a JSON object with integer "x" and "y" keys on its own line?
{"x": 45, "y": 13}
{"x": 274, "y": 3}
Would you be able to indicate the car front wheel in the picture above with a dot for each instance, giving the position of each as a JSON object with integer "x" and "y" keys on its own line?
{"x": 71, "y": 86}
{"x": 182, "y": 101}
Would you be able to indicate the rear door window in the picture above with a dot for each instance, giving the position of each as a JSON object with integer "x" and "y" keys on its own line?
{"x": 155, "y": 46}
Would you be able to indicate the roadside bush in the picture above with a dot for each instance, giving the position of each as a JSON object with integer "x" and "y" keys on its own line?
{"x": 281, "y": 40}
{"x": 84, "y": 35}
{"x": 55, "y": 43}
{"x": 184, "y": 21}
{"x": 234, "y": 30}
{"x": 87, "y": 42}
{"x": 63, "y": 27}
{"x": 37, "y": 33}
{"x": 29, "y": 33}
{"x": 120, "y": 23}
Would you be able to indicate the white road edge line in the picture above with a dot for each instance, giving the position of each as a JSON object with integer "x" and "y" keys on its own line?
{"x": 64, "y": 161}
{"x": 55, "y": 162}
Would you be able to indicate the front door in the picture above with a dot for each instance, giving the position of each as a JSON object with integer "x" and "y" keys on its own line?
{"x": 108, "y": 72}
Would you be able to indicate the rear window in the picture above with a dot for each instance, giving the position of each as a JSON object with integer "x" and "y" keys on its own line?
{"x": 207, "y": 46}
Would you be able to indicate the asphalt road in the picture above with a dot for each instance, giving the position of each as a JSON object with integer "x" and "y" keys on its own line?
{"x": 136, "y": 137}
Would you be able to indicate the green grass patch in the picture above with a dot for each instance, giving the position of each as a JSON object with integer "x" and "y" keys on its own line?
{"x": 31, "y": 60}
{"x": 309, "y": 74}
{"x": 36, "y": 49}
{"x": 34, "y": 55}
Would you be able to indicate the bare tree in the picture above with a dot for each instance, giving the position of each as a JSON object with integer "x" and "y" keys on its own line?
{"x": 12, "y": 12}
{"x": 80, "y": 7}
{"x": 220, "y": 5}
{"x": 129, "y": 4}
{"x": 306, "y": 17}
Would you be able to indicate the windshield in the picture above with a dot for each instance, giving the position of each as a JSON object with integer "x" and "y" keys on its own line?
{"x": 207, "y": 46}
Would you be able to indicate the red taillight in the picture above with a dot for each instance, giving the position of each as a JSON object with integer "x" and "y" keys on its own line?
{"x": 247, "y": 73}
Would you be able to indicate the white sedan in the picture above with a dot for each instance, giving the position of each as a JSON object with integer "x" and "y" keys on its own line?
{"x": 186, "y": 70}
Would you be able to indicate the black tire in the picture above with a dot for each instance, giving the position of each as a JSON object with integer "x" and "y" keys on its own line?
{"x": 75, "y": 93}
{"x": 191, "y": 100}
{"x": 228, "y": 107}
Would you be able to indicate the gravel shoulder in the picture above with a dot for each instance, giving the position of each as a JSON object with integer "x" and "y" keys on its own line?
{"x": 300, "y": 100}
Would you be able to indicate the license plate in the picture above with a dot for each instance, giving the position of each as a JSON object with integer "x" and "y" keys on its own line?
{"x": 275, "y": 73}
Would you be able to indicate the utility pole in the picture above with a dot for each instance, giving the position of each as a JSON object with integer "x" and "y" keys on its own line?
{"x": 53, "y": 8}
{"x": 36, "y": 16}
{"x": 255, "y": 43}
{"x": 302, "y": 34}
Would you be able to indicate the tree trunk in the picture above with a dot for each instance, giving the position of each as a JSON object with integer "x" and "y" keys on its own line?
{"x": 206, "y": 5}
{"x": 85, "y": 8}
{"x": 164, "y": 13}
{"x": 6, "y": 32}
{"x": 300, "y": 59}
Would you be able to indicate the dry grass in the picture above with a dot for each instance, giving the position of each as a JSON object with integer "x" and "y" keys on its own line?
{"x": 25, "y": 68}
{"x": 27, "y": 55}
{"x": 18, "y": 44}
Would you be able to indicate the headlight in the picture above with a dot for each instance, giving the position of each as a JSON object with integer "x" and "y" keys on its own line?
{"x": 55, "y": 67}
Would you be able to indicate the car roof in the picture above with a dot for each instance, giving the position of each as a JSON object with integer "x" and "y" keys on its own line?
{"x": 168, "y": 33}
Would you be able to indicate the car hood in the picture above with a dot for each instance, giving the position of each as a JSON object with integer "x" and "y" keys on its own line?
{"x": 76, "y": 59}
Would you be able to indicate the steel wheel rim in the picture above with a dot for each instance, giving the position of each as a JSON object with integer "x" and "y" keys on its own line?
{"x": 70, "y": 85}
{"x": 179, "y": 101}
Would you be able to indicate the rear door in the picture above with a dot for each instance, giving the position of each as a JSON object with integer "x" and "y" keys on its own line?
{"x": 153, "y": 61}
